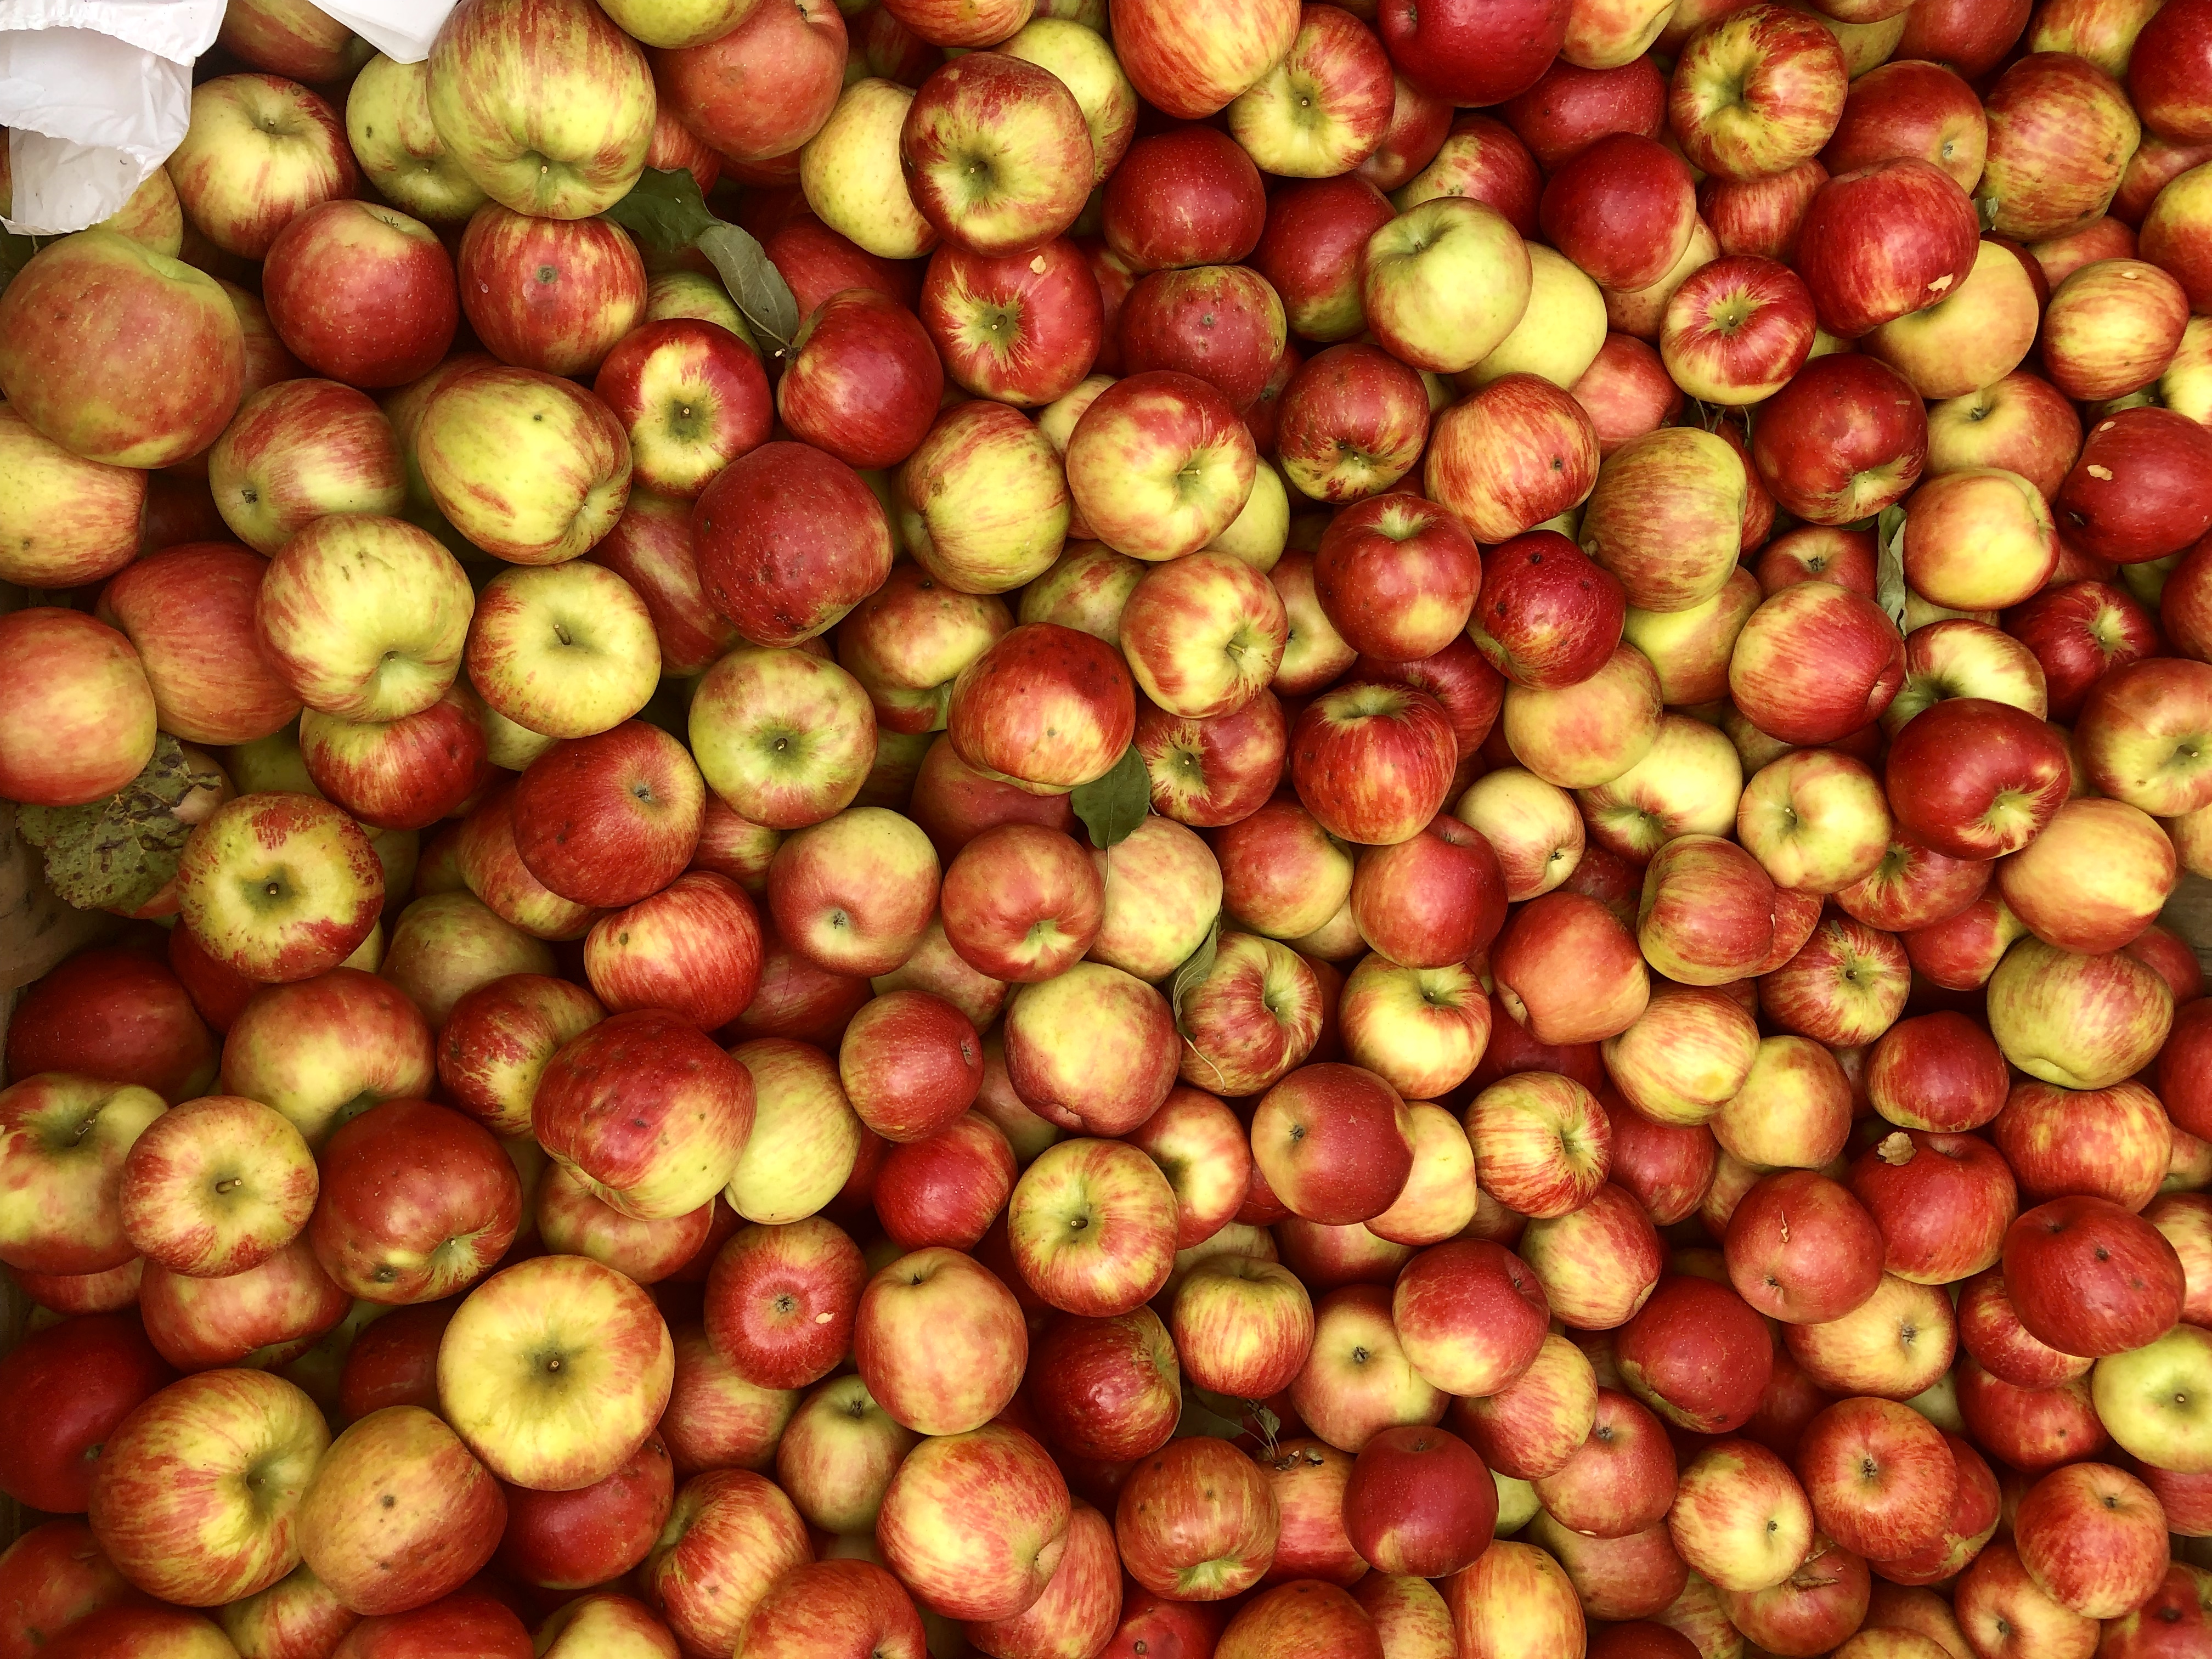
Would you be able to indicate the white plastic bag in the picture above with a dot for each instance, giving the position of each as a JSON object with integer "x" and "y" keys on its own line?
{"x": 95, "y": 94}
{"x": 401, "y": 29}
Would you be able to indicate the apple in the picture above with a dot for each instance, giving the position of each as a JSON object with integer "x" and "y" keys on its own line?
{"x": 1094, "y": 1048}
{"x": 570, "y": 1221}
{"x": 973, "y": 1358}
{"x": 1242, "y": 1328}
{"x": 1736, "y": 330}
{"x": 602, "y": 1361}
{"x": 75, "y": 520}
{"x": 464, "y": 1212}
{"x": 1845, "y": 439}
{"x": 2137, "y": 733}
{"x": 1418, "y": 1499}
{"x": 1188, "y": 196}
{"x": 1548, "y": 617}
{"x": 1697, "y": 1355}
{"x": 1570, "y": 107}
{"x": 259, "y": 151}
{"x": 1343, "y": 70}
{"x": 2093, "y": 880}
{"x": 1191, "y": 64}
{"x": 1880, "y": 1477}
{"x": 2079, "y": 1022}
{"x": 996, "y": 152}
{"x": 1541, "y": 1143}
{"x": 1333, "y": 1142}
{"x": 1091, "y": 1225}
{"x": 1707, "y": 912}
{"x": 265, "y": 1316}
{"x": 1567, "y": 970}
{"x": 854, "y": 893}
{"x": 2146, "y": 1399}
{"x": 2060, "y": 177}
{"x": 1253, "y": 1013}
{"x": 756, "y": 88}
{"x": 1942, "y": 1202}
{"x": 605, "y": 1623}
{"x": 1482, "y": 158}
{"x": 690, "y": 397}
{"x": 89, "y": 730}
{"x": 862, "y": 383}
{"x": 1800, "y": 1248}
{"x": 693, "y": 948}
{"x": 730, "y": 1537}
{"x": 78, "y": 395}
{"x": 57, "y": 1577}
{"x": 216, "y": 1185}
{"x": 445, "y": 1527}
{"x": 2157, "y": 458}
{"x": 998, "y": 1565}
{"x": 1975, "y": 779}
{"x": 1223, "y": 325}
{"x": 279, "y": 886}
{"x": 1159, "y": 465}
{"x": 1515, "y": 1598}
{"x": 837, "y": 1609}
{"x": 1203, "y": 635}
{"x": 1518, "y": 452}
{"x": 84, "y": 1376}
{"x": 1740, "y": 1518}
{"x": 1310, "y": 251}
{"x": 323, "y": 1048}
{"x": 397, "y": 147}
{"x": 232, "y": 1449}
{"x": 485, "y": 430}
{"x": 783, "y": 737}
{"x": 1433, "y": 900}
{"x": 493, "y": 98}
{"x": 2091, "y": 1537}
{"x": 648, "y": 1111}
{"x": 549, "y": 295}
{"x": 1809, "y": 622}
{"x": 361, "y": 293}
{"x": 1162, "y": 888}
{"x": 1197, "y": 1521}
{"x": 1619, "y": 1482}
{"x": 1681, "y": 1060}
{"x": 609, "y": 819}
{"x": 2087, "y": 1277}
{"x": 1445, "y": 283}
{"x": 1597, "y": 1265}
{"x": 838, "y": 1453}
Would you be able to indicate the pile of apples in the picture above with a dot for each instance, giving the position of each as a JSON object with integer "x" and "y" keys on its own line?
{"x": 1243, "y": 831}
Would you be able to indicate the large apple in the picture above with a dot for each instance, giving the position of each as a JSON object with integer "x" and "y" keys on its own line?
{"x": 553, "y": 1371}
{"x": 229, "y": 1452}
{"x": 545, "y": 103}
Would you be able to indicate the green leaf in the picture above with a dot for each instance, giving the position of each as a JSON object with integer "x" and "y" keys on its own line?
{"x": 1113, "y": 806}
{"x": 1889, "y": 589}
{"x": 1986, "y": 208}
{"x": 1195, "y": 968}
{"x": 1214, "y": 1416}
{"x": 116, "y": 854}
{"x": 754, "y": 282}
{"x": 664, "y": 210}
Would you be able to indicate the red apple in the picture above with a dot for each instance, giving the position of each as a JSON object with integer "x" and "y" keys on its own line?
{"x": 2087, "y": 1277}
{"x": 1802, "y": 1249}
{"x": 1697, "y": 1354}
{"x": 1847, "y": 437}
